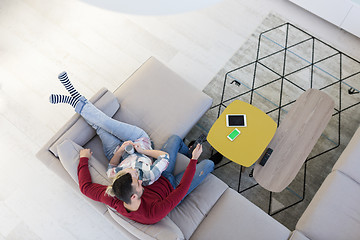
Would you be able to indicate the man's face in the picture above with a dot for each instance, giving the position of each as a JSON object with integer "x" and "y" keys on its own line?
{"x": 136, "y": 183}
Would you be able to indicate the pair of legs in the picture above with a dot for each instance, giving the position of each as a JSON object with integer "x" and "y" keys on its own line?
{"x": 175, "y": 145}
{"x": 111, "y": 132}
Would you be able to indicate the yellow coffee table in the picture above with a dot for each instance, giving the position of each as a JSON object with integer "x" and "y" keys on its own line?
{"x": 247, "y": 148}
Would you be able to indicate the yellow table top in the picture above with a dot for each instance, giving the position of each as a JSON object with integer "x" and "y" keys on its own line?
{"x": 253, "y": 139}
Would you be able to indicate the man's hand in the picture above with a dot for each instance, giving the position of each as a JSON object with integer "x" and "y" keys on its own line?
{"x": 197, "y": 152}
{"x": 85, "y": 153}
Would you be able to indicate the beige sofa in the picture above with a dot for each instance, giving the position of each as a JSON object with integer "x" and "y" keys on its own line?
{"x": 162, "y": 103}
{"x": 334, "y": 212}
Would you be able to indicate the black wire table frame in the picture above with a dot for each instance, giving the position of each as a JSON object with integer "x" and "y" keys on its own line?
{"x": 284, "y": 77}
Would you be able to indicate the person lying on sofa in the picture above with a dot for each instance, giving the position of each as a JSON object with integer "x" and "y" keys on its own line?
{"x": 115, "y": 136}
{"x": 147, "y": 204}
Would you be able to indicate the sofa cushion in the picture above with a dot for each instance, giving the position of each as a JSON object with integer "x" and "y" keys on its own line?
{"x": 69, "y": 158}
{"x": 334, "y": 211}
{"x": 77, "y": 128}
{"x": 194, "y": 208}
{"x": 181, "y": 163}
{"x": 166, "y": 229}
{"x": 349, "y": 161}
{"x": 235, "y": 217}
{"x": 159, "y": 101}
{"x": 96, "y": 147}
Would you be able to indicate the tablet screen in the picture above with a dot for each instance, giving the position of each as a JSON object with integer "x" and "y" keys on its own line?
{"x": 236, "y": 120}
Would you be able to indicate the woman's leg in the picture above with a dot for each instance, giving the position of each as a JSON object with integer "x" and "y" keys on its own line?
{"x": 109, "y": 141}
{"x": 172, "y": 146}
{"x": 121, "y": 130}
{"x": 111, "y": 132}
{"x": 75, "y": 95}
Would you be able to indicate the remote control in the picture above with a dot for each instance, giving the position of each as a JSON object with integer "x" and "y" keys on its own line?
{"x": 200, "y": 140}
{"x": 266, "y": 156}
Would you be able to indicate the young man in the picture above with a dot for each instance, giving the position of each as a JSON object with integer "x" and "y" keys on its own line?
{"x": 147, "y": 204}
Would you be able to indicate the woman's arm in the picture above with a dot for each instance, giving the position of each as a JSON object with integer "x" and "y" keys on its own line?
{"x": 158, "y": 167}
{"x": 150, "y": 153}
{"x": 115, "y": 160}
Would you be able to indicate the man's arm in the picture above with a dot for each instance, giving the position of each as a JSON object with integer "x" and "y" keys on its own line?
{"x": 92, "y": 190}
{"x": 162, "y": 208}
{"x": 173, "y": 199}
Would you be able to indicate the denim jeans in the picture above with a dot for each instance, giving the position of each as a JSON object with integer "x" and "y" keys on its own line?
{"x": 174, "y": 145}
{"x": 111, "y": 132}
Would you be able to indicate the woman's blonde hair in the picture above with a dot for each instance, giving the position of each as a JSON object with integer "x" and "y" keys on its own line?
{"x": 109, "y": 190}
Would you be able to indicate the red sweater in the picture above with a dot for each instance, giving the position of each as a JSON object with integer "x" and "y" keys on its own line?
{"x": 157, "y": 200}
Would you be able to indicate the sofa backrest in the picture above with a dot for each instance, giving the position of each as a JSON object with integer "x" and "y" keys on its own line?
{"x": 161, "y": 102}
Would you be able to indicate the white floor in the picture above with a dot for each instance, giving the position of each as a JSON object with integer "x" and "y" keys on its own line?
{"x": 98, "y": 48}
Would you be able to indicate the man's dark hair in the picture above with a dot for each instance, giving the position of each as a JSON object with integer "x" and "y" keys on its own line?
{"x": 123, "y": 189}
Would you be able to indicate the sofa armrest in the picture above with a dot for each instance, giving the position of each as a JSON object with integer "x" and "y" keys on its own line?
{"x": 333, "y": 213}
{"x": 48, "y": 153}
{"x": 348, "y": 162}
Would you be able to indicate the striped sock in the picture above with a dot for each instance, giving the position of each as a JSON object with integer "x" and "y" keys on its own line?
{"x": 67, "y": 84}
{"x": 57, "y": 98}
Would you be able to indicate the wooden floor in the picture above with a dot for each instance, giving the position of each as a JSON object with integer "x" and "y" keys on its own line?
{"x": 98, "y": 48}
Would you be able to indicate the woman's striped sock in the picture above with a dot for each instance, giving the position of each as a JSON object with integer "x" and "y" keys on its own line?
{"x": 57, "y": 98}
{"x": 67, "y": 84}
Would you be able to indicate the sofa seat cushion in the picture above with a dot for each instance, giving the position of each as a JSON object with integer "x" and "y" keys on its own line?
{"x": 334, "y": 211}
{"x": 159, "y": 101}
{"x": 69, "y": 158}
{"x": 96, "y": 147}
{"x": 166, "y": 229}
{"x": 349, "y": 161}
{"x": 195, "y": 207}
{"x": 77, "y": 129}
{"x": 235, "y": 217}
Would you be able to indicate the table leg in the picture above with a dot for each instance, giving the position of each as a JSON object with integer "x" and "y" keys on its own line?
{"x": 270, "y": 201}
{"x": 241, "y": 169}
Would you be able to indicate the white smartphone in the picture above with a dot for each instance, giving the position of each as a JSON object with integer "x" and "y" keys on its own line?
{"x": 236, "y": 120}
{"x": 233, "y": 134}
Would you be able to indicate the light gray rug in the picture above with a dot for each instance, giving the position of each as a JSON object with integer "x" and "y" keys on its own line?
{"x": 307, "y": 62}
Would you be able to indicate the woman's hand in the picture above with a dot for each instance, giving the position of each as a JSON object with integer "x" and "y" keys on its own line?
{"x": 139, "y": 148}
{"x": 197, "y": 152}
{"x": 122, "y": 147}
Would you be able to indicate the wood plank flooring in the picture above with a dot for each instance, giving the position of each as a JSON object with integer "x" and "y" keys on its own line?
{"x": 100, "y": 48}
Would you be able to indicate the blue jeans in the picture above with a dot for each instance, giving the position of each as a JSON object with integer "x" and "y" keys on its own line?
{"x": 111, "y": 132}
{"x": 174, "y": 145}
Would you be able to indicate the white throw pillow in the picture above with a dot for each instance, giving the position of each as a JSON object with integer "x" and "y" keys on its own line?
{"x": 69, "y": 157}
